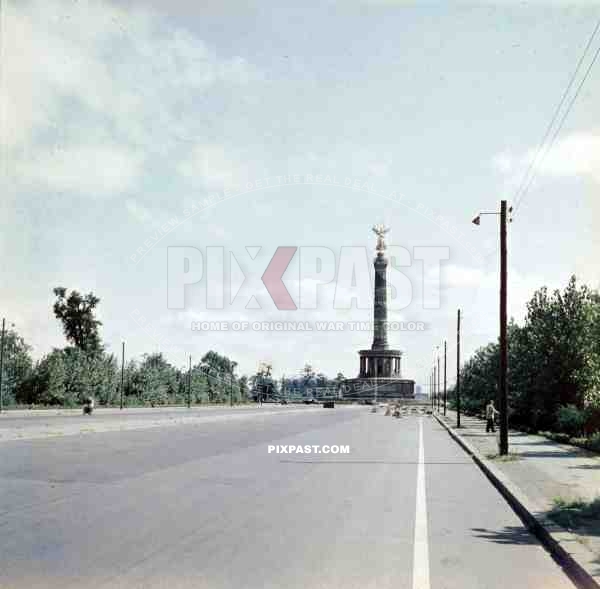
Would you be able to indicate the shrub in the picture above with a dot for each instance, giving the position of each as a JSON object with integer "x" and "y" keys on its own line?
{"x": 570, "y": 420}
{"x": 574, "y": 514}
{"x": 556, "y": 437}
{"x": 592, "y": 420}
{"x": 561, "y": 438}
{"x": 593, "y": 442}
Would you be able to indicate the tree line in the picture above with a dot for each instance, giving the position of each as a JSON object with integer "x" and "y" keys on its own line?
{"x": 554, "y": 364}
{"x": 84, "y": 368}
{"x": 310, "y": 385}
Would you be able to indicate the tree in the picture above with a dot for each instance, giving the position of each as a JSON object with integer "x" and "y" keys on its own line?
{"x": 559, "y": 335}
{"x": 17, "y": 365}
{"x": 339, "y": 384}
{"x": 262, "y": 382}
{"x": 66, "y": 377}
{"x": 244, "y": 388}
{"x": 47, "y": 383}
{"x": 76, "y": 312}
{"x": 199, "y": 385}
{"x": 554, "y": 361}
{"x": 89, "y": 375}
{"x": 155, "y": 380}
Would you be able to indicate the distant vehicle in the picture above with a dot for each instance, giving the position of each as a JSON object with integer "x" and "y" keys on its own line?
{"x": 309, "y": 401}
{"x": 328, "y": 405}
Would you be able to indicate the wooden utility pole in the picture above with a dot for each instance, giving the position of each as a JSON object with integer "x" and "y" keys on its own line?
{"x": 502, "y": 384}
{"x": 431, "y": 390}
{"x": 458, "y": 369}
{"x": 2, "y": 364}
{"x": 445, "y": 376}
{"x": 439, "y": 388}
{"x": 189, "y": 395}
{"x": 122, "y": 372}
{"x": 434, "y": 388}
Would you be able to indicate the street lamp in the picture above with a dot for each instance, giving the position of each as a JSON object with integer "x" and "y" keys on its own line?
{"x": 122, "y": 372}
{"x": 189, "y": 395}
{"x": 231, "y": 369}
{"x": 445, "y": 375}
{"x": 2, "y": 361}
{"x": 502, "y": 381}
{"x": 431, "y": 391}
{"x": 437, "y": 353}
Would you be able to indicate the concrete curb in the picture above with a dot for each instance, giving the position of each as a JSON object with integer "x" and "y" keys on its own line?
{"x": 563, "y": 546}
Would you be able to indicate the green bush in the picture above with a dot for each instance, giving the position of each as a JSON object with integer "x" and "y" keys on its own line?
{"x": 591, "y": 443}
{"x": 575, "y": 514}
{"x": 592, "y": 419}
{"x": 556, "y": 437}
{"x": 570, "y": 420}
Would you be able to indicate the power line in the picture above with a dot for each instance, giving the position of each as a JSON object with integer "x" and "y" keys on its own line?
{"x": 530, "y": 174}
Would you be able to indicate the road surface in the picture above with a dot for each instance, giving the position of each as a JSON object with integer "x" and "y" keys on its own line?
{"x": 207, "y": 506}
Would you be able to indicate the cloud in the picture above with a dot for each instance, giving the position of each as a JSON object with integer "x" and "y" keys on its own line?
{"x": 503, "y": 162}
{"x": 454, "y": 276}
{"x": 575, "y": 155}
{"x": 138, "y": 211}
{"x": 101, "y": 170}
{"x": 578, "y": 154}
{"x": 378, "y": 169}
{"x": 82, "y": 73}
{"x": 210, "y": 167}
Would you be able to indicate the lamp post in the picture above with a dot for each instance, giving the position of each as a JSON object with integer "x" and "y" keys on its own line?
{"x": 445, "y": 376}
{"x": 431, "y": 390}
{"x": 434, "y": 389}
{"x": 458, "y": 369}
{"x": 232, "y": 368}
{"x": 122, "y": 372}
{"x": 2, "y": 363}
{"x": 502, "y": 380}
{"x": 189, "y": 395}
{"x": 439, "y": 392}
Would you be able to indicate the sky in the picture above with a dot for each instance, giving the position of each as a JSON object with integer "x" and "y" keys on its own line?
{"x": 308, "y": 123}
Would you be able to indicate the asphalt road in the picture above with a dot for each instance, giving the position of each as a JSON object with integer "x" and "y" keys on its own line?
{"x": 207, "y": 506}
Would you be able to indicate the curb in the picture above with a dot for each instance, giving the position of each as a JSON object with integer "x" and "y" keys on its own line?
{"x": 562, "y": 545}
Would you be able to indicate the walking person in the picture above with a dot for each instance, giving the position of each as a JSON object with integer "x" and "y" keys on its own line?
{"x": 490, "y": 414}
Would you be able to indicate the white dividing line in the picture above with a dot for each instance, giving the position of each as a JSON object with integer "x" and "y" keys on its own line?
{"x": 421, "y": 545}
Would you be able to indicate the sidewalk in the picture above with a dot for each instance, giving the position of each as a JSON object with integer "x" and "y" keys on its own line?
{"x": 536, "y": 472}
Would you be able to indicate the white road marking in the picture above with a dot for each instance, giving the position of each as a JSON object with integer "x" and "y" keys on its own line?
{"x": 421, "y": 543}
